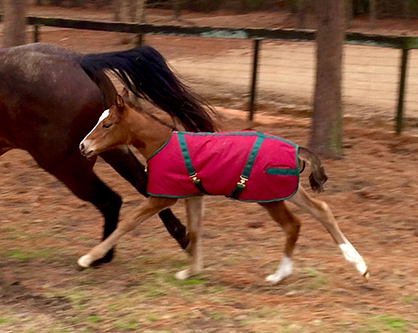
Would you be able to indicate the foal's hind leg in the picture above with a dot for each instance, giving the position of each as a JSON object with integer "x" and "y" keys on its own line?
{"x": 145, "y": 210}
{"x": 321, "y": 211}
{"x": 194, "y": 206}
{"x": 291, "y": 225}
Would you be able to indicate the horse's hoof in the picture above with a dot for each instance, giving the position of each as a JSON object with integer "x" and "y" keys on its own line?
{"x": 273, "y": 279}
{"x": 84, "y": 262}
{"x": 182, "y": 275}
{"x": 366, "y": 276}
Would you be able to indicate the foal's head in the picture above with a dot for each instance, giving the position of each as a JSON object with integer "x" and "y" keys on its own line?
{"x": 110, "y": 131}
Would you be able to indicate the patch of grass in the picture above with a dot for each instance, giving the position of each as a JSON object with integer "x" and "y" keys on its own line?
{"x": 93, "y": 319}
{"x": 181, "y": 283}
{"x": 194, "y": 282}
{"x": 127, "y": 326}
{"x": 318, "y": 279}
{"x": 410, "y": 299}
{"x": 126, "y": 323}
{"x": 21, "y": 255}
{"x": 78, "y": 299}
{"x": 156, "y": 293}
{"x": 393, "y": 323}
{"x": 59, "y": 330}
{"x": 216, "y": 315}
{"x": 384, "y": 323}
{"x": 4, "y": 321}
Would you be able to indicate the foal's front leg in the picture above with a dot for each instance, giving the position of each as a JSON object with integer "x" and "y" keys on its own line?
{"x": 194, "y": 206}
{"x": 147, "y": 209}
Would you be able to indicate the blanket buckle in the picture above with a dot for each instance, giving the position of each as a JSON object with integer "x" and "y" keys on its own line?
{"x": 194, "y": 178}
{"x": 242, "y": 181}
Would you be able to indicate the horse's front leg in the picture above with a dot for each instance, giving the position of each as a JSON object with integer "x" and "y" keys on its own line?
{"x": 147, "y": 209}
{"x": 194, "y": 206}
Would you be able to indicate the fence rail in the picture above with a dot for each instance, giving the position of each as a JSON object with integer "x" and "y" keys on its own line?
{"x": 403, "y": 43}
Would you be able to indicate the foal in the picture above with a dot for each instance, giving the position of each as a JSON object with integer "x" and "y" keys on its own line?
{"x": 122, "y": 125}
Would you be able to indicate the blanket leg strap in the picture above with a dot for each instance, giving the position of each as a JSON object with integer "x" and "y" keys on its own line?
{"x": 247, "y": 169}
{"x": 187, "y": 161}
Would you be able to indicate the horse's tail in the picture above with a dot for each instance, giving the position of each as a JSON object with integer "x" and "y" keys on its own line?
{"x": 144, "y": 71}
{"x": 317, "y": 178}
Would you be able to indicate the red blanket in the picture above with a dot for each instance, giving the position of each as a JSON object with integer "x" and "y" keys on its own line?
{"x": 248, "y": 166}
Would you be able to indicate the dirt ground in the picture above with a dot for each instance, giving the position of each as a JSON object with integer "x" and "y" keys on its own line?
{"x": 372, "y": 192}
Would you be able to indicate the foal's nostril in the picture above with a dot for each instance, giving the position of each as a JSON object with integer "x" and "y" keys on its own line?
{"x": 82, "y": 147}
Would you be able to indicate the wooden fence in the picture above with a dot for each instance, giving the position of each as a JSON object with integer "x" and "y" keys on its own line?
{"x": 403, "y": 43}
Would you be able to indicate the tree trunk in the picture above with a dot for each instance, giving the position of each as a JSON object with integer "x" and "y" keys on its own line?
{"x": 14, "y": 28}
{"x": 302, "y": 9}
{"x": 137, "y": 11}
{"x": 326, "y": 131}
{"x": 373, "y": 14}
{"x": 122, "y": 10}
{"x": 116, "y": 9}
{"x": 349, "y": 13}
{"x": 176, "y": 4}
{"x": 406, "y": 12}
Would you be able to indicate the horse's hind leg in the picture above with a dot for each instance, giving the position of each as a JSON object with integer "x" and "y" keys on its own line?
{"x": 145, "y": 210}
{"x": 194, "y": 206}
{"x": 321, "y": 211}
{"x": 291, "y": 225}
{"x": 128, "y": 166}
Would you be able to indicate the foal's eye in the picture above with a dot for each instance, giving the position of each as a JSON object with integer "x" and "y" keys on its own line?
{"x": 106, "y": 125}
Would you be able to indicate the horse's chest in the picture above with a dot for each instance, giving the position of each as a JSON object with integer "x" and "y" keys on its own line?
{"x": 265, "y": 166}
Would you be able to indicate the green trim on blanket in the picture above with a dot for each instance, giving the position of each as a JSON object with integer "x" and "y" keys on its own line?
{"x": 248, "y": 166}
{"x": 165, "y": 143}
{"x": 283, "y": 172}
{"x": 185, "y": 154}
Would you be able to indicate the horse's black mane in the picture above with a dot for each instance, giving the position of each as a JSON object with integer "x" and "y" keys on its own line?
{"x": 145, "y": 72}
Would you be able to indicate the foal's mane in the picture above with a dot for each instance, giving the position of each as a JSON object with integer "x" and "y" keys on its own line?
{"x": 144, "y": 71}
{"x": 149, "y": 114}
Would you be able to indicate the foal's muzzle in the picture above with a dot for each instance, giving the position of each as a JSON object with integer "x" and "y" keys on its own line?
{"x": 84, "y": 151}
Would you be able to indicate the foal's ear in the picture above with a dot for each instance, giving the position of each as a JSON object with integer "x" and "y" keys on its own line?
{"x": 125, "y": 93}
{"x": 119, "y": 102}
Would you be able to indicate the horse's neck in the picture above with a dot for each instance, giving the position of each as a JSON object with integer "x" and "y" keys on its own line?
{"x": 147, "y": 134}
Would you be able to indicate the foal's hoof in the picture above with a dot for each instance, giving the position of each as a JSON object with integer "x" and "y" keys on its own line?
{"x": 182, "y": 275}
{"x": 366, "y": 276}
{"x": 84, "y": 262}
{"x": 186, "y": 273}
{"x": 275, "y": 278}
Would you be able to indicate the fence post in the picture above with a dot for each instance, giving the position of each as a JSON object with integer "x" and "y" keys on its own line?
{"x": 36, "y": 33}
{"x": 139, "y": 39}
{"x": 256, "y": 52}
{"x": 401, "y": 97}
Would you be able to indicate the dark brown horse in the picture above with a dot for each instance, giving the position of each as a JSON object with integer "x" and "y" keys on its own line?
{"x": 50, "y": 98}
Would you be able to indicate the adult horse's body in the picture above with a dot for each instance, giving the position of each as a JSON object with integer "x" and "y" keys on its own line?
{"x": 51, "y": 97}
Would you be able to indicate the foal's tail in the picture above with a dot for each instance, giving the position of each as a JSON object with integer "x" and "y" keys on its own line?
{"x": 317, "y": 178}
{"x": 144, "y": 71}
